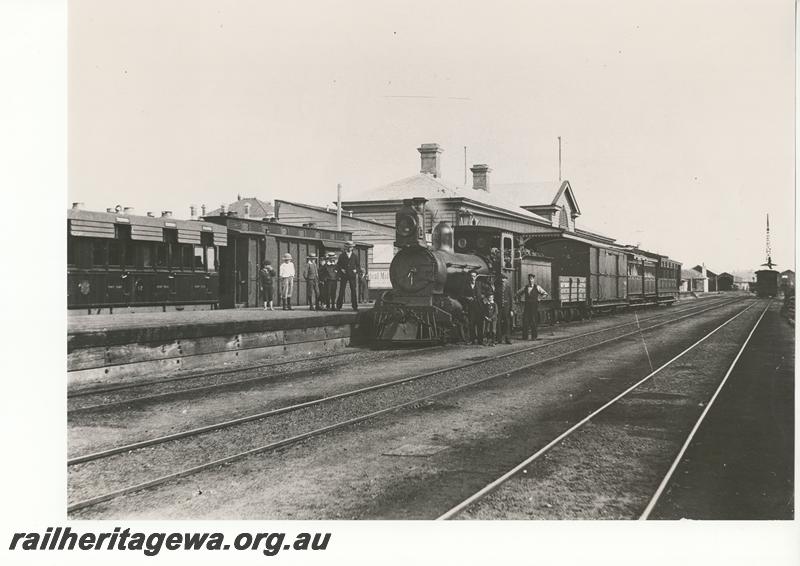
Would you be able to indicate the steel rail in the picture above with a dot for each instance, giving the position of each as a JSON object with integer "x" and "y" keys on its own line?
{"x": 292, "y": 440}
{"x": 492, "y": 486}
{"x": 289, "y": 408}
{"x": 659, "y": 491}
{"x": 191, "y": 390}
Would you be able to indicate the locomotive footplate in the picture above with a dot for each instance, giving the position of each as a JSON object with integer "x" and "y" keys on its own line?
{"x": 412, "y": 323}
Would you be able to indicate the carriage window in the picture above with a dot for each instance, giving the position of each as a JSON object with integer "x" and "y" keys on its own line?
{"x": 187, "y": 257}
{"x": 161, "y": 255}
{"x": 70, "y": 250}
{"x": 146, "y": 255}
{"x": 210, "y": 262}
{"x": 99, "y": 253}
{"x": 130, "y": 254}
{"x": 198, "y": 258}
{"x": 114, "y": 253}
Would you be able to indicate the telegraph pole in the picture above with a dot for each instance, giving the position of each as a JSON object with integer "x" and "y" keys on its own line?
{"x": 559, "y": 159}
{"x": 339, "y": 207}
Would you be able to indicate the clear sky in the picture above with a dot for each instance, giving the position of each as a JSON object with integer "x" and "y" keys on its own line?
{"x": 677, "y": 116}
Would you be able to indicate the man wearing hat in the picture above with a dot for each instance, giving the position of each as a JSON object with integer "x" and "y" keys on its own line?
{"x": 311, "y": 275}
{"x": 530, "y": 295}
{"x": 505, "y": 310}
{"x": 327, "y": 277}
{"x": 286, "y": 275}
{"x": 349, "y": 269}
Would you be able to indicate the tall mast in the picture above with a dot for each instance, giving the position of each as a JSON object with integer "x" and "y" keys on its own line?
{"x": 769, "y": 263}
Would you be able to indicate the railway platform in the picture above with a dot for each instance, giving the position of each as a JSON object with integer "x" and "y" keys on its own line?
{"x": 119, "y": 348}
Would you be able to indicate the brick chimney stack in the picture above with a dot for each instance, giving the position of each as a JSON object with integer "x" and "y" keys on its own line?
{"x": 480, "y": 177}
{"x": 431, "y": 159}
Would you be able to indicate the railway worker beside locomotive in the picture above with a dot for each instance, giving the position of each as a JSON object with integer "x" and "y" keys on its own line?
{"x": 530, "y": 294}
{"x": 311, "y": 276}
{"x": 266, "y": 276}
{"x": 490, "y": 319}
{"x": 349, "y": 269}
{"x": 472, "y": 298}
{"x": 286, "y": 275}
{"x": 505, "y": 310}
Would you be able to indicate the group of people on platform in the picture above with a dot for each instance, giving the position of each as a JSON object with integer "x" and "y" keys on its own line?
{"x": 489, "y": 323}
{"x": 322, "y": 280}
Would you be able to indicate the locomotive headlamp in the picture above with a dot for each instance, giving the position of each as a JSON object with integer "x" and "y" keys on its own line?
{"x": 407, "y": 226}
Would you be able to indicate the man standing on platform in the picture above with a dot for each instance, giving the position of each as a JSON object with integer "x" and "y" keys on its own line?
{"x": 349, "y": 268}
{"x": 311, "y": 275}
{"x": 505, "y": 310}
{"x": 286, "y": 275}
{"x": 328, "y": 273}
{"x": 530, "y": 294}
{"x": 472, "y": 297}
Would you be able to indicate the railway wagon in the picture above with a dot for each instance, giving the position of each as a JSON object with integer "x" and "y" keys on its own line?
{"x": 251, "y": 241}
{"x": 585, "y": 276}
{"x": 116, "y": 259}
{"x": 767, "y": 283}
{"x": 668, "y": 279}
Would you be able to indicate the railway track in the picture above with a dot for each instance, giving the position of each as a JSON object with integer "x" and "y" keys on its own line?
{"x": 419, "y": 388}
{"x": 85, "y": 401}
{"x": 525, "y": 465}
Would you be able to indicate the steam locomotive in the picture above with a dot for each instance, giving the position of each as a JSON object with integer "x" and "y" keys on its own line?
{"x": 582, "y": 273}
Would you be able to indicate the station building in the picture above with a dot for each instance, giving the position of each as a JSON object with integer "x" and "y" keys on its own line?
{"x": 693, "y": 281}
{"x": 533, "y": 210}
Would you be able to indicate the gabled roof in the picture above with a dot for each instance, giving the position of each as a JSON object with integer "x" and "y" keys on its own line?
{"x": 258, "y": 208}
{"x": 708, "y": 271}
{"x": 537, "y": 193}
{"x": 430, "y": 187}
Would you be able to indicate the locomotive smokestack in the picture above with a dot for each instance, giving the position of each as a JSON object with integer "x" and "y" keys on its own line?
{"x": 480, "y": 177}
{"x": 430, "y": 154}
